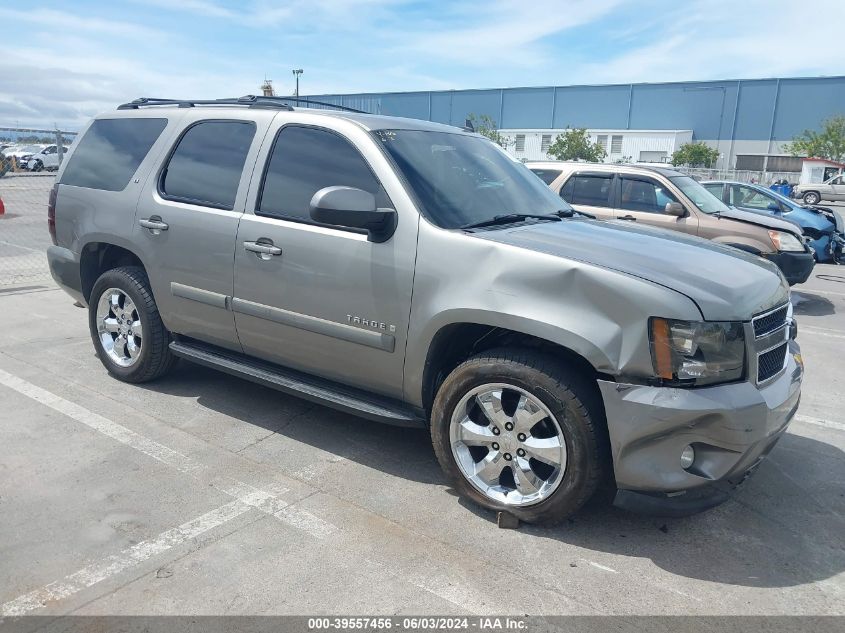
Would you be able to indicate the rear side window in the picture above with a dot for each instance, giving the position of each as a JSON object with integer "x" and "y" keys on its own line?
{"x": 305, "y": 160}
{"x": 206, "y": 166}
{"x": 547, "y": 175}
{"x": 591, "y": 190}
{"x": 109, "y": 154}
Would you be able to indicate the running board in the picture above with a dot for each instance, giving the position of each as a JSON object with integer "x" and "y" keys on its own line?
{"x": 319, "y": 390}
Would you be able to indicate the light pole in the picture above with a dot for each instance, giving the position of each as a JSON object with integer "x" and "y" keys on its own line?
{"x": 296, "y": 73}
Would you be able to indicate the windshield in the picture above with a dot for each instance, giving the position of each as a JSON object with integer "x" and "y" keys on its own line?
{"x": 703, "y": 199}
{"x": 30, "y": 149}
{"x": 460, "y": 179}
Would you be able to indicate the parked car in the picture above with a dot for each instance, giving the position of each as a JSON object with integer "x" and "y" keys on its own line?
{"x": 46, "y": 159}
{"x": 824, "y": 228}
{"x": 670, "y": 200}
{"x": 832, "y": 189}
{"x": 17, "y": 152}
{"x": 413, "y": 273}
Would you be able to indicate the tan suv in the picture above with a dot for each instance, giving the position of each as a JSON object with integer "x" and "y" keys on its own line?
{"x": 671, "y": 200}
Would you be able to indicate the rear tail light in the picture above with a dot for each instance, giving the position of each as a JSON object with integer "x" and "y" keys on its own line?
{"x": 51, "y": 213}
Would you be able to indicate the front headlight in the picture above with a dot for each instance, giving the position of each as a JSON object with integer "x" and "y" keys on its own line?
{"x": 784, "y": 241}
{"x": 694, "y": 353}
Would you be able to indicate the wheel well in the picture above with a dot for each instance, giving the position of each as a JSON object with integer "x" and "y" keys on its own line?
{"x": 455, "y": 343}
{"x": 98, "y": 257}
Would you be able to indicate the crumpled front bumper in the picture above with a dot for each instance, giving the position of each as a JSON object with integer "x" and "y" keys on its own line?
{"x": 731, "y": 427}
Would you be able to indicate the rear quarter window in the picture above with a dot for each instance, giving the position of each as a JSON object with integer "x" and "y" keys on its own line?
{"x": 109, "y": 153}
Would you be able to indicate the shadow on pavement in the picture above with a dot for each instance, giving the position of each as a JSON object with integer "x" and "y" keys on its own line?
{"x": 784, "y": 527}
{"x": 807, "y": 304}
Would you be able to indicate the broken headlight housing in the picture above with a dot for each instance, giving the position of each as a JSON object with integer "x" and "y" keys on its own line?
{"x": 696, "y": 353}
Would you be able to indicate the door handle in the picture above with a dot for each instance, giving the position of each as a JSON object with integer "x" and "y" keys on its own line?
{"x": 630, "y": 218}
{"x": 262, "y": 248}
{"x": 154, "y": 224}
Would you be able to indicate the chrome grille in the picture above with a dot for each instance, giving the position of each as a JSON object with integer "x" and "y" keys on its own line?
{"x": 771, "y": 342}
{"x": 770, "y": 363}
{"x": 770, "y": 321}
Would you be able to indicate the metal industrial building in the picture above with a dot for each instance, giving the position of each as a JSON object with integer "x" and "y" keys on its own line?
{"x": 747, "y": 120}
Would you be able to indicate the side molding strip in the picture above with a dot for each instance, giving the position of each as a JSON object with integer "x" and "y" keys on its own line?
{"x": 376, "y": 340}
{"x": 198, "y": 294}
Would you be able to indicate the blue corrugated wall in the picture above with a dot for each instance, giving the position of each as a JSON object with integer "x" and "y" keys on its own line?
{"x": 747, "y": 109}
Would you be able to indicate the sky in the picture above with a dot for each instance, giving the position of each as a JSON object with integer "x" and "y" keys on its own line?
{"x": 65, "y": 61}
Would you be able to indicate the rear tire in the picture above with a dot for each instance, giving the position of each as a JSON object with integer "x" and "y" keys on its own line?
{"x": 812, "y": 197}
{"x": 568, "y": 412}
{"x": 128, "y": 334}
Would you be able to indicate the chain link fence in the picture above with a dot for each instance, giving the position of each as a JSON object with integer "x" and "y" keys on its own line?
{"x": 737, "y": 175}
{"x": 24, "y": 236}
{"x": 30, "y": 158}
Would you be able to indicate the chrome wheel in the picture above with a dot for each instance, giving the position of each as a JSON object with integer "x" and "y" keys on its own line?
{"x": 508, "y": 444}
{"x": 119, "y": 327}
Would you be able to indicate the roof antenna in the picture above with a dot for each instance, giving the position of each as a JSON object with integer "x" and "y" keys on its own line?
{"x": 468, "y": 127}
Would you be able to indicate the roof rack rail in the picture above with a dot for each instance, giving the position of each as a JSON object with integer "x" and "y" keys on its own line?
{"x": 251, "y": 101}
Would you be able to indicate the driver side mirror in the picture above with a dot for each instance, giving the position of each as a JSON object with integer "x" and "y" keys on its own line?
{"x": 774, "y": 206}
{"x": 353, "y": 208}
{"x": 676, "y": 209}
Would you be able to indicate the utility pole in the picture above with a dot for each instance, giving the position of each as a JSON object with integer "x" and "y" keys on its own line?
{"x": 296, "y": 73}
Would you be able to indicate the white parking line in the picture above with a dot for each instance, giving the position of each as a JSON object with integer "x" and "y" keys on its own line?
{"x": 821, "y": 292}
{"x": 117, "y": 563}
{"x": 820, "y": 331}
{"x": 839, "y": 426}
{"x": 246, "y": 497}
{"x": 245, "y": 493}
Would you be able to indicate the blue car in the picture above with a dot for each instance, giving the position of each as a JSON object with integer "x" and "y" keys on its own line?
{"x": 824, "y": 228}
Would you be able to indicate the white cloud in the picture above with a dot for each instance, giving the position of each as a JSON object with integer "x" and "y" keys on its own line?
{"x": 731, "y": 40}
{"x": 62, "y": 66}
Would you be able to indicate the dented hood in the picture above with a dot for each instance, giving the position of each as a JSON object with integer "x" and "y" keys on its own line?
{"x": 725, "y": 283}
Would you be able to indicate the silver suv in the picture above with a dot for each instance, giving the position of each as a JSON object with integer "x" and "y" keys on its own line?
{"x": 414, "y": 274}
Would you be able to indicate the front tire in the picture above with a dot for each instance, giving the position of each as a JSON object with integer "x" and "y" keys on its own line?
{"x": 519, "y": 431}
{"x": 811, "y": 198}
{"x": 128, "y": 334}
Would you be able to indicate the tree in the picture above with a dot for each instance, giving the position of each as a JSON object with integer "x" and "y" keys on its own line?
{"x": 829, "y": 143}
{"x": 575, "y": 144}
{"x": 695, "y": 155}
{"x": 486, "y": 126}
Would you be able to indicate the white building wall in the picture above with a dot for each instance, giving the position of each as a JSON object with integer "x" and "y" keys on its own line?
{"x": 634, "y": 142}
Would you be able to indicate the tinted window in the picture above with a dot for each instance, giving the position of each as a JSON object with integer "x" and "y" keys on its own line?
{"x": 109, "y": 153}
{"x": 305, "y": 160}
{"x": 590, "y": 190}
{"x": 207, "y": 164}
{"x": 547, "y": 175}
{"x": 566, "y": 190}
{"x": 644, "y": 195}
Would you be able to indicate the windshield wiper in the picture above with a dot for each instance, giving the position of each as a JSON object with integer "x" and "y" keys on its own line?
{"x": 568, "y": 213}
{"x": 508, "y": 218}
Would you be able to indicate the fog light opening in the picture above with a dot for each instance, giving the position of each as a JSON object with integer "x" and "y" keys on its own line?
{"x": 687, "y": 457}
